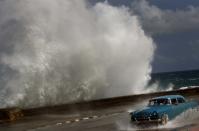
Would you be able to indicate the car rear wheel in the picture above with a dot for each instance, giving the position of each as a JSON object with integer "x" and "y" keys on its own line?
{"x": 164, "y": 119}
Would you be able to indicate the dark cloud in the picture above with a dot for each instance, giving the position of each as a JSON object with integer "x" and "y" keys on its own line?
{"x": 176, "y": 52}
{"x": 174, "y": 4}
{"x": 157, "y": 21}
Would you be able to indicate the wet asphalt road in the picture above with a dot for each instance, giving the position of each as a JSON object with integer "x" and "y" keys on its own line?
{"x": 116, "y": 122}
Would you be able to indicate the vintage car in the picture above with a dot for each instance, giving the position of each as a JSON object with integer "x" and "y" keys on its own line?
{"x": 163, "y": 108}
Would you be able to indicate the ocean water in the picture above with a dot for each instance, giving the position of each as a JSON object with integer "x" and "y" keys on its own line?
{"x": 178, "y": 79}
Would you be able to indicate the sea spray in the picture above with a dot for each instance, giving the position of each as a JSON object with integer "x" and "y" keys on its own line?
{"x": 62, "y": 51}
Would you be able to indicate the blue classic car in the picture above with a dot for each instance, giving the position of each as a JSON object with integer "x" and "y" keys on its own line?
{"x": 163, "y": 108}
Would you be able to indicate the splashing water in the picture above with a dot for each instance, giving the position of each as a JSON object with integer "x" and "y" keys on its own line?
{"x": 55, "y": 52}
{"x": 184, "y": 120}
{"x": 188, "y": 117}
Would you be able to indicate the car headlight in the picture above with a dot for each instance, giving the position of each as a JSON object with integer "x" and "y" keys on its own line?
{"x": 154, "y": 113}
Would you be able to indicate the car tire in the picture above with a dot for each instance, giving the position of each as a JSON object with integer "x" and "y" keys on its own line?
{"x": 164, "y": 119}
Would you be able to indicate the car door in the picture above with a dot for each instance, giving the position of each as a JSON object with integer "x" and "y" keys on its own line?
{"x": 182, "y": 105}
{"x": 175, "y": 107}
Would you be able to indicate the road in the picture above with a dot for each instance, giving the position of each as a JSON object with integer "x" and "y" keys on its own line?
{"x": 95, "y": 121}
{"x": 121, "y": 122}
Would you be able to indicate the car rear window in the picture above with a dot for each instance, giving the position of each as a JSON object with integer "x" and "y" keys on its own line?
{"x": 180, "y": 100}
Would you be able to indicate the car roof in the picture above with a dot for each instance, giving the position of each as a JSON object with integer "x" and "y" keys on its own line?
{"x": 168, "y": 96}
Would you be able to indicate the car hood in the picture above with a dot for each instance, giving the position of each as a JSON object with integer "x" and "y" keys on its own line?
{"x": 151, "y": 109}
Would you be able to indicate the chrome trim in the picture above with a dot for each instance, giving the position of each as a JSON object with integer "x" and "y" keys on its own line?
{"x": 148, "y": 121}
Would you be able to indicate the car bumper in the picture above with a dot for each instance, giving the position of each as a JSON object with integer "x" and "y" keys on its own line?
{"x": 147, "y": 121}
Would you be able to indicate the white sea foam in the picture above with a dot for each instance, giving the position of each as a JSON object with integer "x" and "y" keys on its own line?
{"x": 58, "y": 51}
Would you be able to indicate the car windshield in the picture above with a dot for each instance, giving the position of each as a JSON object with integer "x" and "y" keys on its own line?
{"x": 158, "y": 102}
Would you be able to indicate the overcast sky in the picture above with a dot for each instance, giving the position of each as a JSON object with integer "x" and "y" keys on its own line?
{"x": 174, "y": 26}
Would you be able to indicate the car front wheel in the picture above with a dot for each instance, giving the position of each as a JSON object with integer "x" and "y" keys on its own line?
{"x": 164, "y": 119}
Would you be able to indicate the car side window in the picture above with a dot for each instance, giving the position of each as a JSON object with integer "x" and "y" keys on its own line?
{"x": 174, "y": 101}
{"x": 180, "y": 100}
